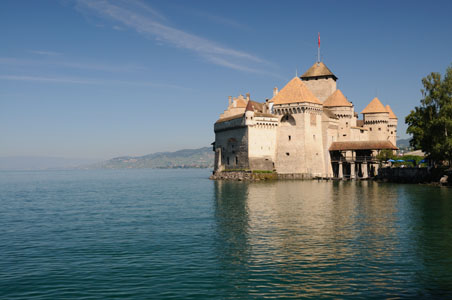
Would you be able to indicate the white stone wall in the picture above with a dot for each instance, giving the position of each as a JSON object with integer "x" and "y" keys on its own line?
{"x": 377, "y": 123}
{"x": 392, "y": 131}
{"x": 347, "y": 120}
{"x": 300, "y": 143}
{"x": 329, "y": 135}
{"x": 359, "y": 134}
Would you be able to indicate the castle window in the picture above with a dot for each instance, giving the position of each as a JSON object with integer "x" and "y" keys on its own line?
{"x": 392, "y": 132}
{"x": 346, "y": 124}
{"x": 228, "y": 160}
{"x": 287, "y": 153}
{"x": 236, "y": 160}
{"x": 313, "y": 136}
{"x": 370, "y": 128}
{"x": 290, "y": 137}
{"x": 379, "y": 128}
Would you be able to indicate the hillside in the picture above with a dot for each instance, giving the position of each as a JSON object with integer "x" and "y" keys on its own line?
{"x": 187, "y": 158}
{"x": 403, "y": 143}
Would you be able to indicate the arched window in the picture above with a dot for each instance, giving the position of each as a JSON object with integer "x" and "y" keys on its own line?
{"x": 288, "y": 120}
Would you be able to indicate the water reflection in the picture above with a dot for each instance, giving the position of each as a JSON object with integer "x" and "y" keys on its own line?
{"x": 309, "y": 238}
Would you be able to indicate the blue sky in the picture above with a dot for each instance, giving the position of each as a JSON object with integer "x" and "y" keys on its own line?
{"x": 99, "y": 79}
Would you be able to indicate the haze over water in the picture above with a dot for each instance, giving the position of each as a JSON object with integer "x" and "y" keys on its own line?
{"x": 174, "y": 234}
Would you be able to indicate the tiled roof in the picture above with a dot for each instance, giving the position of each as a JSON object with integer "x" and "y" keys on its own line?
{"x": 267, "y": 115}
{"x": 391, "y": 113}
{"x": 374, "y": 107}
{"x": 257, "y": 106}
{"x": 249, "y": 106}
{"x": 362, "y": 145}
{"x": 317, "y": 70}
{"x": 230, "y": 118}
{"x": 337, "y": 99}
{"x": 295, "y": 92}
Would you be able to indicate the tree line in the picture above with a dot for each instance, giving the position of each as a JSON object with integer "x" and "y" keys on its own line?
{"x": 430, "y": 124}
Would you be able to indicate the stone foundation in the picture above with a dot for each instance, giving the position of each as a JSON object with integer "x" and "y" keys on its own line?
{"x": 243, "y": 176}
{"x": 415, "y": 175}
{"x": 295, "y": 176}
{"x": 251, "y": 176}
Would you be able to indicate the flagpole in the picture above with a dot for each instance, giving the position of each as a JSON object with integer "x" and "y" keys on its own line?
{"x": 318, "y": 50}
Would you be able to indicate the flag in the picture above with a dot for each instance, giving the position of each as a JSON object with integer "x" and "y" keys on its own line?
{"x": 319, "y": 39}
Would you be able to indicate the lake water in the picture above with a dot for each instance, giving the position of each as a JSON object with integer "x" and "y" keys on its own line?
{"x": 174, "y": 234}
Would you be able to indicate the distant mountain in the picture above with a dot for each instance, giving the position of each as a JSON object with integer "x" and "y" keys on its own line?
{"x": 42, "y": 163}
{"x": 187, "y": 158}
{"x": 403, "y": 143}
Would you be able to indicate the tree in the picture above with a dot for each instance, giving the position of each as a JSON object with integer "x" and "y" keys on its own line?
{"x": 385, "y": 155}
{"x": 430, "y": 124}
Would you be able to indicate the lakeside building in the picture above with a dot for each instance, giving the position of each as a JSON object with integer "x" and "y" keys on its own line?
{"x": 308, "y": 129}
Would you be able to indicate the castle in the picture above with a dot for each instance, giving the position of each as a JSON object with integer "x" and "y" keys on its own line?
{"x": 308, "y": 129}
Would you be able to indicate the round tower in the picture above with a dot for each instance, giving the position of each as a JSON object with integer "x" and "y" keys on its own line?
{"x": 344, "y": 111}
{"x": 376, "y": 120}
{"x": 392, "y": 126}
{"x": 249, "y": 113}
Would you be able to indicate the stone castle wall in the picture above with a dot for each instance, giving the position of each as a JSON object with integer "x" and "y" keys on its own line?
{"x": 377, "y": 124}
{"x": 262, "y": 146}
{"x": 321, "y": 88}
{"x": 231, "y": 144}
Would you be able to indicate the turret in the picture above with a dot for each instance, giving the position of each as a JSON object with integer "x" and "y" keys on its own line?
{"x": 392, "y": 126}
{"x": 376, "y": 119}
{"x": 344, "y": 111}
{"x": 249, "y": 114}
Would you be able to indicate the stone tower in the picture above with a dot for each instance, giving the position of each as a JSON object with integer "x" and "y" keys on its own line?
{"x": 299, "y": 139}
{"x": 320, "y": 81}
{"x": 392, "y": 126}
{"x": 343, "y": 110}
{"x": 376, "y": 119}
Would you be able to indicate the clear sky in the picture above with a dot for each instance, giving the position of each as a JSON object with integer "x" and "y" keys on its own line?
{"x": 99, "y": 79}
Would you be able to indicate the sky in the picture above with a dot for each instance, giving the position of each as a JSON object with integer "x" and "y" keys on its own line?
{"x": 100, "y": 79}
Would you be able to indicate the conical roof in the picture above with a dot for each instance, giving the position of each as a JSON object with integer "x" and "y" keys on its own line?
{"x": 249, "y": 106}
{"x": 337, "y": 99}
{"x": 374, "y": 107}
{"x": 391, "y": 113}
{"x": 295, "y": 92}
{"x": 318, "y": 69}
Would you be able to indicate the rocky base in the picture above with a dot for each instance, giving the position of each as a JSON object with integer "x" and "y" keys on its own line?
{"x": 243, "y": 176}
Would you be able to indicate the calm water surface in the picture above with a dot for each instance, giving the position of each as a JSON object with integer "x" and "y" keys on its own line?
{"x": 174, "y": 234}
